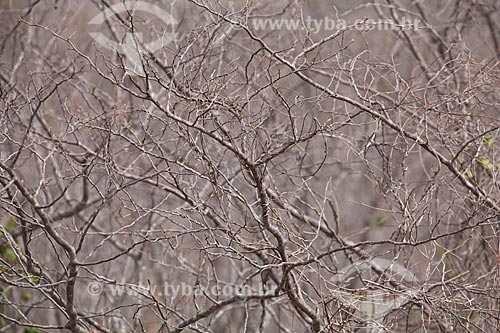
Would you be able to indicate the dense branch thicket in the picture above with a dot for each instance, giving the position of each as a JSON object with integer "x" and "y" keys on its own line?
{"x": 258, "y": 166}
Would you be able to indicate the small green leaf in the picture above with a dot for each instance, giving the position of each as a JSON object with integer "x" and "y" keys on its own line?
{"x": 10, "y": 224}
{"x": 34, "y": 278}
{"x": 381, "y": 220}
{"x": 384, "y": 88}
{"x": 10, "y": 256}
{"x": 26, "y": 296}
{"x": 488, "y": 140}
{"x": 485, "y": 163}
{"x": 360, "y": 293}
{"x": 31, "y": 330}
{"x": 468, "y": 174}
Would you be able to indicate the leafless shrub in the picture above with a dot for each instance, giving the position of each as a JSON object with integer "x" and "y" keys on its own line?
{"x": 270, "y": 167}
